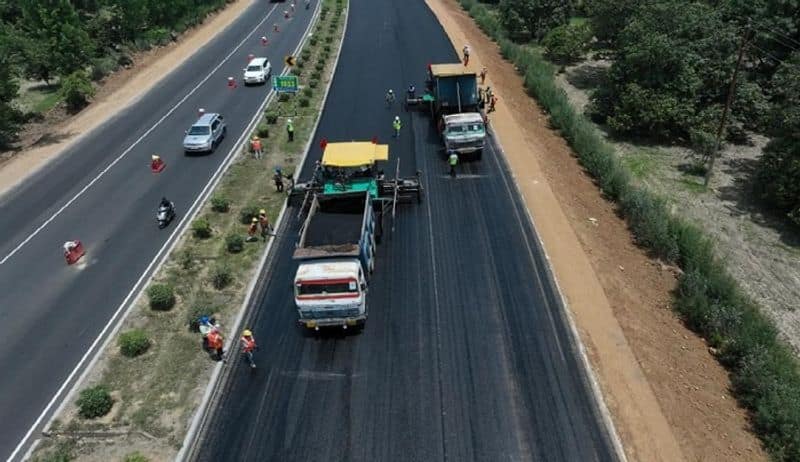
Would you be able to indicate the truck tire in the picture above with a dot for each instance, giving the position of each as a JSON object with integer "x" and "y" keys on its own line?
{"x": 479, "y": 154}
{"x": 371, "y": 264}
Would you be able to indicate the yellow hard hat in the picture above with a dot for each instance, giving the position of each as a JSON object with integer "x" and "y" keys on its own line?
{"x": 154, "y": 157}
{"x": 255, "y": 137}
{"x": 247, "y": 333}
{"x": 255, "y": 219}
{"x": 262, "y": 212}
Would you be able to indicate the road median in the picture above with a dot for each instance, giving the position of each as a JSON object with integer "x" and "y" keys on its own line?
{"x": 154, "y": 370}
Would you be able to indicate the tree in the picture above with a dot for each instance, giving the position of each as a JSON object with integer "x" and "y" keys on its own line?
{"x": 778, "y": 172}
{"x": 53, "y": 30}
{"x": 526, "y": 20}
{"x": 76, "y": 89}
{"x": 671, "y": 73}
{"x": 10, "y": 116}
{"x": 566, "y": 43}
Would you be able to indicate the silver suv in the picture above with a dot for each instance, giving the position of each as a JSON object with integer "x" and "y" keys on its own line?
{"x": 205, "y": 134}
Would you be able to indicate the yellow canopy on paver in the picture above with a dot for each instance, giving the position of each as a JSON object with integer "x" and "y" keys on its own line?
{"x": 447, "y": 70}
{"x": 354, "y": 154}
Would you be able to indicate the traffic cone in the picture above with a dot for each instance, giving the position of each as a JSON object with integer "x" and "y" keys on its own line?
{"x": 231, "y": 83}
{"x": 156, "y": 164}
{"x": 250, "y": 57}
{"x": 275, "y": 27}
{"x": 74, "y": 253}
{"x": 374, "y": 140}
{"x": 264, "y": 41}
{"x": 323, "y": 143}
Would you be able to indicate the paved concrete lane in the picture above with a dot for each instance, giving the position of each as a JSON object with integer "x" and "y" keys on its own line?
{"x": 67, "y": 307}
{"x": 466, "y": 354}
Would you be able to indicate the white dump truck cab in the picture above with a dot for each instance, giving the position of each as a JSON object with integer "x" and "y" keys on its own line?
{"x": 464, "y": 133}
{"x": 331, "y": 293}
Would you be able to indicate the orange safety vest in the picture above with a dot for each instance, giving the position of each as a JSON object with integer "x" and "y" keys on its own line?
{"x": 214, "y": 340}
{"x": 253, "y": 229}
{"x": 256, "y": 145}
{"x": 264, "y": 221}
{"x": 248, "y": 344}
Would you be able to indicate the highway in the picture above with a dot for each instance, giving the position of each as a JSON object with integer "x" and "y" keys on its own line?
{"x": 466, "y": 355}
{"x": 102, "y": 192}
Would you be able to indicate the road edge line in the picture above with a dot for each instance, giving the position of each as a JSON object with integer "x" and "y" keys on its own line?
{"x": 563, "y": 304}
{"x": 145, "y": 279}
{"x": 188, "y": 447}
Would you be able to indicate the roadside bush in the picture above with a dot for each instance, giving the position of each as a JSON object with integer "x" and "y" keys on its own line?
{"x": 202, "y": 306}
{"x": 313, "y": 83}
{"x": 308, "y": 92}
{"x": 133, "y": 343}
{"x": 271, "y": 117}
{"x": 284, "y": 97}
{"x": 328, "y": 39}
{"x": 186, "y": 259}
{"x": 221, "y": 276}
{"x": 305, "y": 54}
{"x": 94, "y": 402}
{"x": 765, "y": 373}
{"x": 316, "y": 75}
{"x": 76, "y": 89}
{"x": 319, "y": 66}
{"x": 201, "y": 228}
{"x": 312, "y": 41}
{"x": 303, "y": 102}
{"x": 234, "y": 243}
{"x": 162, "y": 296}
{"x": 101, "y": 67}
{"x": 124, "y": 60}
{"x": 247, "y": 214}
{"x": 263, "y": 130}
{"x": 326, "y": 48}
{"x": 221, "y": 204}
{"x": 136, "y": 457}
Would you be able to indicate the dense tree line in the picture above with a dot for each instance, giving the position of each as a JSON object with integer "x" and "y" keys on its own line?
{"x": 54, "y": 39}
{"x": 672, "y": 62}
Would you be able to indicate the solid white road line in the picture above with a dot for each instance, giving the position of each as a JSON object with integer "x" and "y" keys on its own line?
{"x": 135, "y": 143}
{"x": 160, "y": 256}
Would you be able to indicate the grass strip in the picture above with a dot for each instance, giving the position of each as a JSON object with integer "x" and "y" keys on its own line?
{"x": 764, "y": 371}
{"x": 156, "y": 391}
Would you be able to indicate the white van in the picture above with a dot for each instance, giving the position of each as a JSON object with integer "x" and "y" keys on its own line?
{"x": 258, "y": 70}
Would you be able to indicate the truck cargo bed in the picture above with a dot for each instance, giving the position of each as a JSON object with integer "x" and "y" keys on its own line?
{"x": 334, "y": 229}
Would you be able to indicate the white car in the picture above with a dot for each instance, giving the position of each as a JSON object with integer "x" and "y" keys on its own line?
{"x": 258, "y": 70}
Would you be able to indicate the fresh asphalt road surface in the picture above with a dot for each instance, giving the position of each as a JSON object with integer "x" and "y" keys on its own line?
{"x": 466, "y": 354}
{"x": 51, "y": 313}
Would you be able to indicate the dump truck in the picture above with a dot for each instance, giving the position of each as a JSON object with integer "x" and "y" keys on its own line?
{"x": 336, "y": 252}
{"x": 345, "y": 202}
{"x": 452, "y": 96}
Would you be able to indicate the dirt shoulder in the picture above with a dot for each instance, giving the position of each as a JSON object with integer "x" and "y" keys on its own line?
{"x": 668, "y": 396}
{"x": 116, "y": 93}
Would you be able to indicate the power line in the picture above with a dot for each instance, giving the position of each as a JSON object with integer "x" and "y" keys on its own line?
{"x": 766, "y": 53}
{"x": 772, "y": 36}
{"x": 786, "y": 37}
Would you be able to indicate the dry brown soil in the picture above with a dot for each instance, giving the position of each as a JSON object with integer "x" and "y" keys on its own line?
{"x": 43, "y": 141}
{"x": 668, "y": 396}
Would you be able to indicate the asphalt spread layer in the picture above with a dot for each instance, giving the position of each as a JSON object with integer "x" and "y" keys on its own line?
{"x": 465, "y": 355}
{"x": 50, "y": 313}
{"x": 334, "y": 229}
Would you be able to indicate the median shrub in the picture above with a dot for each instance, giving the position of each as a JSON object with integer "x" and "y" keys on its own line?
{"x": 222, "y": 276}
{"x": 133, "y": 343}
{"x": 162, "y": 296}
{"x": 303, "y": 102}
{"x": 247, "y": 214}
{"x": 308, "y": 92}
{"x": 316, "y": 75}
{"x": 94, "y": 402}
{"x": 320, "y": 66}
{"x": 201, "y": 228}
{"x": 313, "y": 83}
{"x": 263, "y": 130}
{"x": 234, "y": 243}
{"x": 136, "y": 457}
{"x": 271, "y": 117}
{"x": 312, "y": 41}
{"x": 284, "y": 97}
{"x": 221, "y": 204}
{"x": 765, "y": 373}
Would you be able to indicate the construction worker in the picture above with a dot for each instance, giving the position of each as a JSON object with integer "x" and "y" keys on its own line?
{"x": 248, "y": 346}
{"x": 255, "y": 146}
{"x": 278, "y": 179}
{"x": 397, "y": 126}
{"x": 453, "y": 161}
{"x": 290, "y": 129}
{"x": 466, "y": 54}
{"x": 252, "y": 230}
{"x": 492, "y": 102}
{"x": 155, "y": 162}
{"x": 292, "y": 7}
{"x": 308, "y": 3}
{"x": 412, "y": 90}
{"x": 263, "y": 221}
{"x": 389, "y": 98}
{"x": 483, "y": 74}
{"x": 215, "y": 342}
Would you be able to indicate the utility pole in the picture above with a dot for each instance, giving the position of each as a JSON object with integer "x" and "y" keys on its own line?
{"x": 728, "y": 102}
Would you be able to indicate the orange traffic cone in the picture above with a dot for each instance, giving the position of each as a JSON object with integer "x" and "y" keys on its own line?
{"x": 73, "y": 251}
{"x": 231, "y": 83}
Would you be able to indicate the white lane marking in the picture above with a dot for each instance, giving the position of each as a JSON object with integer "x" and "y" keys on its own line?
{"x": 135, "y": 143}
{"x": 170, "y": 243}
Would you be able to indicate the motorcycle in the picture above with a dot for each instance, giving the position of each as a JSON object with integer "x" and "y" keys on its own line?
{"x": 165, "y": 215}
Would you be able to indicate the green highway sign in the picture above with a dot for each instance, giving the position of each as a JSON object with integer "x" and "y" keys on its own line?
{"x": 285, "y": 83}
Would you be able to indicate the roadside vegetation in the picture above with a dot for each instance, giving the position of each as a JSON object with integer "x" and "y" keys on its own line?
{"x": 67, "y": 45}
{"x": 668, "y": 81}
{"x": 149, "y": 382}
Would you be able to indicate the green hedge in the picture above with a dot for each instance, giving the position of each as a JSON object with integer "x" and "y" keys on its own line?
{"x": 765, "y": 373}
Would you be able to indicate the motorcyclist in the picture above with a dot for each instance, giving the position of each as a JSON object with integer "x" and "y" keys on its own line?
{"x": 166, "y": 204}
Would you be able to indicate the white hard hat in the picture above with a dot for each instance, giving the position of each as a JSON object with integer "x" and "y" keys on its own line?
{"x": 396, "y": 117}
{"x": 289, "y": 121}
